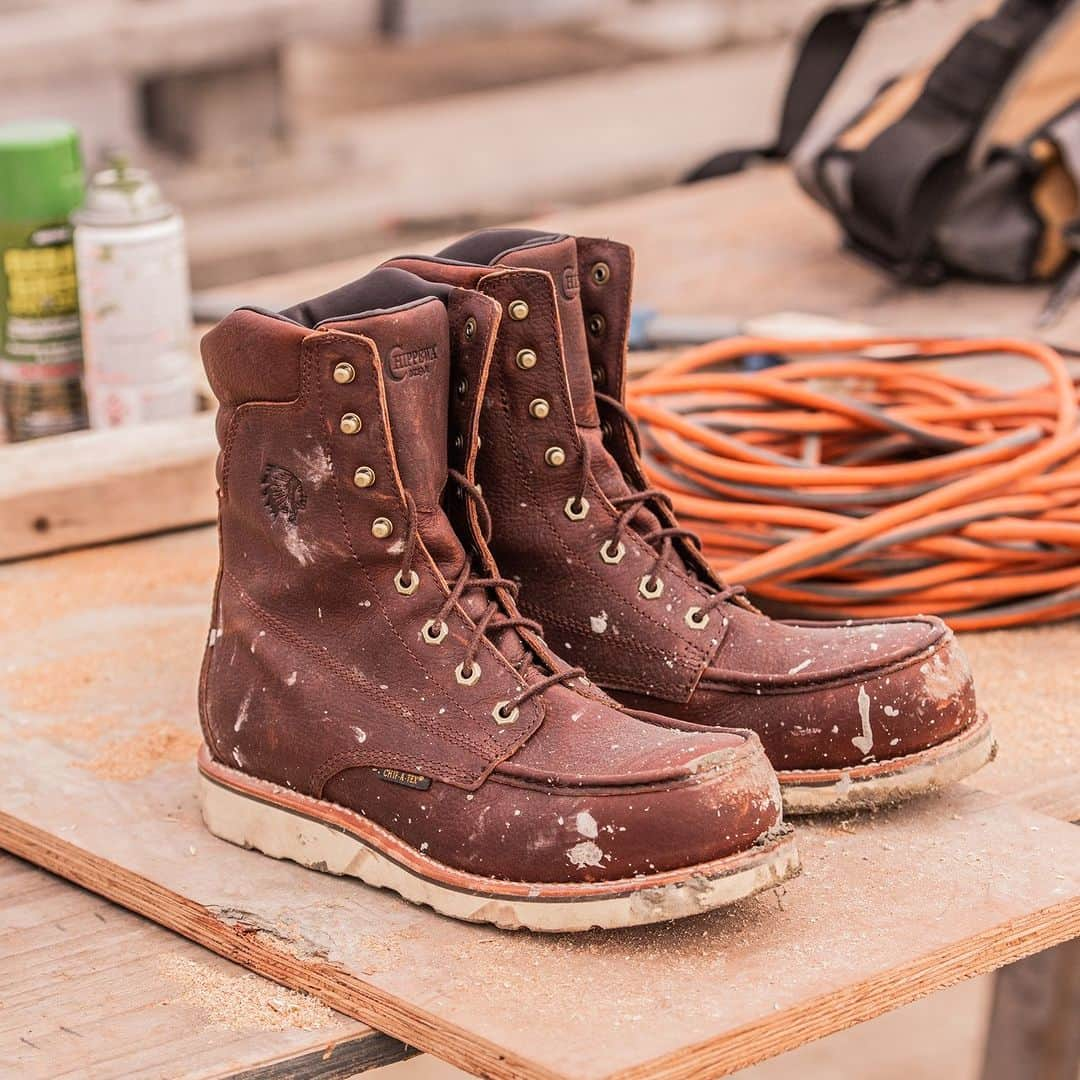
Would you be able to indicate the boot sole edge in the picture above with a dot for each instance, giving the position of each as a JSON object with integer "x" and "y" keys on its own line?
{"x": 255, "y": 814}
{"x": 894, "y": 780}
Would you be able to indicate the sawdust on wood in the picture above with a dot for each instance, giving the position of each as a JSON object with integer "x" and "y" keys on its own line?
{"x": 243, "y": 1002}
{"x": 140, "y": 754}
{"x": 1028, "y": 680}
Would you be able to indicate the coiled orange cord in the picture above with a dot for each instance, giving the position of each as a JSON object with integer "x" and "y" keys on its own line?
{"x": 851, "y": 487}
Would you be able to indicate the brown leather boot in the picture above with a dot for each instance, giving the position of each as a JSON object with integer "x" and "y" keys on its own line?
{"x": 851, "y": 714}
{"x": 373, "y": 705}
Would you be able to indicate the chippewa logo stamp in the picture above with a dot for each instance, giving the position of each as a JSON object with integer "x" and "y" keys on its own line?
{"x": 410, "y": 363}
{"x": 283, "y": 493}
{"x": 571, "y": 286}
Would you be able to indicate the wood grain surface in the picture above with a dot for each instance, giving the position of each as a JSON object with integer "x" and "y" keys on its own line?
{"x": 97, "y": 733}
{"x": 90, "y": 989}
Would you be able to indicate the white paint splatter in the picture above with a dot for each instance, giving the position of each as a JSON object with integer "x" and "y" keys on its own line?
{"x": 361, "y": 734}
{"x": 889, "y": 710}
{"x": 598, "y": 622}
{"x": 586, "y": 825}
{"x": 585, "y": 854}
{"x": 801, "y": 667}
{"x": 315, "y": 467}
{"x": 296, "y": 546}
{"x": 865, "y": 741}
{"x": 242, "y": 712}
{"x": 291, "y": 680}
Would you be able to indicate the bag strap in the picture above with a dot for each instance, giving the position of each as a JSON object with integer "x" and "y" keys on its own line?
{"x": 903, "y": 180}
{"x": 822, "y": 56}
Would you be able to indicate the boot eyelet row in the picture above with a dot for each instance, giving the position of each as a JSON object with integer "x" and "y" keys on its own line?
{"x": 651, "y": 587}
{"x": 504, "y": 717}
{"x": 434, "y": 633}
{"x": 697, "y": 619}
{"x": 407, "y": 585}
{"x": 473, "y": 676}
{"x": 576, "y": 509}
{"x": 539, "y": 408}
{"x": 612, "y": 555}
{"x": 350, "y": 424}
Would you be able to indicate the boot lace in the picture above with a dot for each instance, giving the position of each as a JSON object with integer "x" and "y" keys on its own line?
{"x": 661, "y": 540}
{"x": 493, "y": 618}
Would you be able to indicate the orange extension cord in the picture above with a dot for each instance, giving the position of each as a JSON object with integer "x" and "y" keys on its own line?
{"x": 844, "y": 487}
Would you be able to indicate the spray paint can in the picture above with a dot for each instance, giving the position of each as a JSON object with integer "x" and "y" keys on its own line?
{"x": 41, "y": 183}
{"x": 135, "y": 298}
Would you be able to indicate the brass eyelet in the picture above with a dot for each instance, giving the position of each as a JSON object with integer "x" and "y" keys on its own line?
{"x": 470, "y": 328}
{"x": 462, "y": 386}
{"x": 697, "y": 619}
{"x": 344, "y": 373}
{"x": 350, "y": 423}
{"x": 555, "y": 456}
{"x": 471, "y": 678}
{"x": 612, "y": 556}
{"x": 597, "y": 324}
{"x": 459, "y": 441}
{"x": 381, "y": 528}
{"x": 601, "y": 273}
{"x": 539, "y": 408}
{"x": 518, "y": 310}
{"x": 363, "y": 477}
{"x": 502, "y": 716}
{"x": 432, "y": 635}
{"x": 606, "y": 430}
{"x": 650, "y": 592}
{"x": 576, "y": 509}
{"x": 599, "y": 376}
{"x": 525, "y": 359}
{"x": 407, "y": 586}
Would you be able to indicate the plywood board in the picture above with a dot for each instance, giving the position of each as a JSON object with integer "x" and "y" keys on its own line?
{"x": 97, "y": 732}
{"x": 91, "y": 989}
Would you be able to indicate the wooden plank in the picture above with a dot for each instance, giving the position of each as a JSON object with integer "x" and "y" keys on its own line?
{"x": 745, "y": 246}
{"x": 92, "y": 486}
{"x": 97, "y": 732}
{"x": 91, "y": 990}
{"x": 1034, "y": 1031}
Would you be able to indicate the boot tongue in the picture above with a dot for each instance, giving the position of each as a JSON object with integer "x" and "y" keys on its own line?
{"x": 528, "y": 249}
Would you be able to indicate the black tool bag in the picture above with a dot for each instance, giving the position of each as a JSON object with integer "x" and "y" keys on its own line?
{"x": 968, "y": 165}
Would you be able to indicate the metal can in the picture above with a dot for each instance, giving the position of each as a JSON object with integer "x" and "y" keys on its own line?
{"x": 41, "y": 183}
{"x": 135, "y": 299}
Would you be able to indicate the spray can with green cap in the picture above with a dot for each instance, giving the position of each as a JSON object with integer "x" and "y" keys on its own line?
{"x": 41, "y": 183}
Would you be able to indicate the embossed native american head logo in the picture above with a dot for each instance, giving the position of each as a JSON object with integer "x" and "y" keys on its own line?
{"x": 283, "y": 493}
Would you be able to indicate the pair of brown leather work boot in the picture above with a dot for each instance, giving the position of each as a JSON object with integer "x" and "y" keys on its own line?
{"x": 416, "y": 472}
